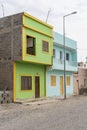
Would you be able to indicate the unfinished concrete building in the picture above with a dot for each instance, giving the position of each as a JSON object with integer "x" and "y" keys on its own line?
{"x": 10, "y": 50}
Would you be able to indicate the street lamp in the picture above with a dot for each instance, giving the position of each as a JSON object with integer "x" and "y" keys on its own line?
{"x": 65, "y": 51}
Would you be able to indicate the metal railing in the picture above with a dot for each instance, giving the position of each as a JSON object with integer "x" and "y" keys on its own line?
{"x": 61, "y": 62}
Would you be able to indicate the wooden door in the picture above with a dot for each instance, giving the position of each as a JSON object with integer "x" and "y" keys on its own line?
{"x": 37, "y": 86}
{"x": 61, "y": 85}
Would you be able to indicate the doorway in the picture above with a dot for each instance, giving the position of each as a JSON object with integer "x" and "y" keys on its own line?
{"x": 37, "y": 86}
{"x": 61, "y": 85}
{"x": 77, "y": 85}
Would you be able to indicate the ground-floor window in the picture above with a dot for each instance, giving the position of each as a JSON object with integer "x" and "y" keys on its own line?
{"x": 26, "y": 82}
{"x": 53, "y": 80}
{"x": 68, "y": 80}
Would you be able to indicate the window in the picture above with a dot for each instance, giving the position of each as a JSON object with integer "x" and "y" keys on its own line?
{"x": 61, "y": 55}
{"x": 45, "y": 46}
{"x": 30, "y": 45}
{"x": 68, "y": 81}
{"x": 26, "y": 83}
{"x": 67, "y": 56}
{"x": 53, "y": 80}
{"x": 54, "y": 53}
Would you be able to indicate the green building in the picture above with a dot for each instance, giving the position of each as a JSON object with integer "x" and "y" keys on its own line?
{"x": 26, "y": 44}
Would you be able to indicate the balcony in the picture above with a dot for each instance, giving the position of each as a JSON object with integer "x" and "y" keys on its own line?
{"x": 59, "y": 65}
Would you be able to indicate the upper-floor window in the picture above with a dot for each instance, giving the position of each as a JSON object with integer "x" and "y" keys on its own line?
{"x": 61, "y": 55}
{"x": 30, "y": 45}
{"x": 67, "y": 56}
{"x": 45, "y": 46}
{"x": 26, "y": 83}
{"x": 54, "y": 53}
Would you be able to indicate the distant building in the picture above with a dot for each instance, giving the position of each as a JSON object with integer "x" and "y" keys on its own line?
{"x": 80, "y": 79}
{"x": 55, "y": 73}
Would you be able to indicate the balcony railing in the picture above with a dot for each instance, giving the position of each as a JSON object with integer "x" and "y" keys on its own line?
{"x": 61, "y": 62}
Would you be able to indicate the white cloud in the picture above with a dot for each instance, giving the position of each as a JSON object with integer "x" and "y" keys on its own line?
{"x": 76, "y": 25}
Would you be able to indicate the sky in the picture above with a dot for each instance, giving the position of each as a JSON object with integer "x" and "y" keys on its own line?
{"x": 75, "y": 25}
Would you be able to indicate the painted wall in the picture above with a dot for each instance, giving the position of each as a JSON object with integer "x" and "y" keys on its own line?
{"x": 71, "y": 49}
{"x": 58, "y": 65}
{"x": 40, "y": 31}
{"x": 36, "y": 24}
{"x": 71, "y": 65}
{"x": 25, "y": 69}
{"x": 55, "y": 90}
{"x": 70, "y": 43}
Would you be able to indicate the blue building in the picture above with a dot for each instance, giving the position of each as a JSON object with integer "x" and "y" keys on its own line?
{"x": 55, "y": 73}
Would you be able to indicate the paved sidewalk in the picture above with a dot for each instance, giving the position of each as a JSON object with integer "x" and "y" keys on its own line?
{"x": 45, "y": 100}
{"x": 39, "y": 101}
